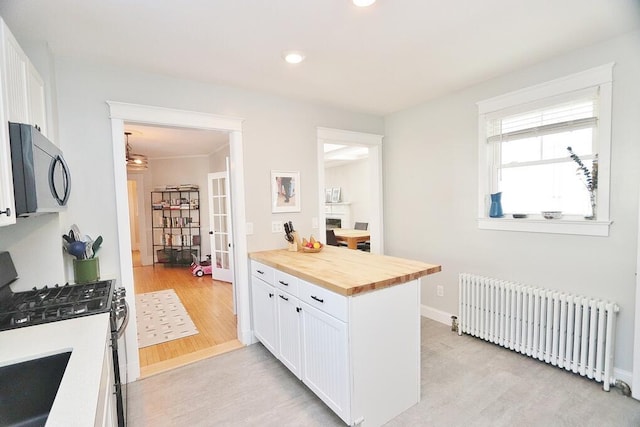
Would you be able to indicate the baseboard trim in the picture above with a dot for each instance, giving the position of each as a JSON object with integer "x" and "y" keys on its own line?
{"x": 435, "y": 314}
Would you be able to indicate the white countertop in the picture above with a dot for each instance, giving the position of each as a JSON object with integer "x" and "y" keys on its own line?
{"x": 86, "y": 337}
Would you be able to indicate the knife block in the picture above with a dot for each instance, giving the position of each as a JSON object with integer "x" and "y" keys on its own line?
{"x": 295, "y": 246}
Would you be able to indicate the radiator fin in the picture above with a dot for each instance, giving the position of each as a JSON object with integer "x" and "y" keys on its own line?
{"x": 568, "y": 331}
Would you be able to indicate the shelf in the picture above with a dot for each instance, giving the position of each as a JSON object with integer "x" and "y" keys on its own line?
{"x": 175, "y": 224}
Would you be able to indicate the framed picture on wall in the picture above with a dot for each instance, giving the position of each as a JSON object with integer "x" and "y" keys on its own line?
{"x": 335, "y": 195}
{"x": 285, "y": 191}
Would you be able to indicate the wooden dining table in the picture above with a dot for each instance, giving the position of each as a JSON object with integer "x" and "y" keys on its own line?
{"x": 351, "y": 237}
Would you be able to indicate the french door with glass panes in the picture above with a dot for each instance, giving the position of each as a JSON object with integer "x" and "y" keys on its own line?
{"x": 220, "y": 227}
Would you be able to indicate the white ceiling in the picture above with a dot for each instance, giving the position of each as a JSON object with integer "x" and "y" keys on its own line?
{"x": 381, "y": 59}
{"x": 162, "y": 142}
{"x": 378, "y": 60}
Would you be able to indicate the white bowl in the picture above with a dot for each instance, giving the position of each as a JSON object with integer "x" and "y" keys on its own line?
{"x": 552, "y": 214}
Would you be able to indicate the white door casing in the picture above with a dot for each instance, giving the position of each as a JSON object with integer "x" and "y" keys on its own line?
{"x": 119, "y": 113}
{"x": 220, "y": 233}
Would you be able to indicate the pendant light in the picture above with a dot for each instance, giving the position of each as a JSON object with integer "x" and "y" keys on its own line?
{"x": 135, "y": 162}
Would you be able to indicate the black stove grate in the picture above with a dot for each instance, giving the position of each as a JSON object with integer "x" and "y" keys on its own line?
{"x": 50, "y": 304}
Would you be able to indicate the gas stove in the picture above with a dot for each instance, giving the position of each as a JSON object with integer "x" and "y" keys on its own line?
{"x": 50, "y": 304}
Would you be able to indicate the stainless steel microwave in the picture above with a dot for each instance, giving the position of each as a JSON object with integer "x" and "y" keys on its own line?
{"x": 41, "y": 179}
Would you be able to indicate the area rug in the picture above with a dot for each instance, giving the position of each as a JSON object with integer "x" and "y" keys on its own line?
{"x": 161, "y": 317}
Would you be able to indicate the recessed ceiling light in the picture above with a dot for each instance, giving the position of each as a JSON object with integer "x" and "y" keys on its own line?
{"x": 293, "y": 57}
{"x": 363, "y": 3}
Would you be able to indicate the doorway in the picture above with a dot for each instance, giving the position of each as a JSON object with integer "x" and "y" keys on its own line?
{"x": 177, "y": 251}
{"x": 121, "y": 113}
{"x": 353, "y": 143}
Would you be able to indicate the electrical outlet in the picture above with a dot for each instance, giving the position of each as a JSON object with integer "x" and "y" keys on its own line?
{"x": 276, "y": 227}
{"x": 440, "y": 290}
{"x": 314, "y": 222}
{"x": 249, "y": 228}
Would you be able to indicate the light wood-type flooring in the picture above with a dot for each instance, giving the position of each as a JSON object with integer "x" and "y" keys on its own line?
{"x": 210, "y": 306}
{"x": 464, "y": 382}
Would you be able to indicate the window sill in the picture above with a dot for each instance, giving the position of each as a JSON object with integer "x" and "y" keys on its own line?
{"x": 553, "y": 226}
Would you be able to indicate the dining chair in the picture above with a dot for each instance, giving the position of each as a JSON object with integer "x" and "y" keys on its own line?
{"x": 363, "y": 246}
{"x": 331, "y": 238}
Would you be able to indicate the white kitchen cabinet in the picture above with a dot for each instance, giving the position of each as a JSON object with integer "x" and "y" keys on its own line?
{"x": 23, "y": 101}
{"x": 326, "y": 359}
{"x": 289, "y": 332}
{"x": 359, "y": 354}
{"x": 264, "y": 313}
{"x": 106, "y": 414}
{"x": 15, "y": 93}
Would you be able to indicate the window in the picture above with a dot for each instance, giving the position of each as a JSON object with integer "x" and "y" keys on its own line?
{"x": 523, "y": 142}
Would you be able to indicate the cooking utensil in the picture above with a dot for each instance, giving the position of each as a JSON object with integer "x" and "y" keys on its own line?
{"x": 76, "y": 232}
{"x": 77, "y": 249}
{"x": 67, "y": 239}
{"x": 72, "y": 236}
{"x": 96, "y": 246}
{"x": 88, "y": 250}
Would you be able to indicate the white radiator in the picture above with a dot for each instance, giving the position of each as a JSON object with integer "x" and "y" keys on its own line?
{"x": 569, "y": 331}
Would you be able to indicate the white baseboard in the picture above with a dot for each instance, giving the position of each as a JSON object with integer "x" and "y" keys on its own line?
{"x": 435, "y": 314}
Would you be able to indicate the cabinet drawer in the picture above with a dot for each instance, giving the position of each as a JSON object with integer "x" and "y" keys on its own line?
{"x": 286, "y": 282}
{"x": 323, "y": 299}
{"x": 262, "y": 271}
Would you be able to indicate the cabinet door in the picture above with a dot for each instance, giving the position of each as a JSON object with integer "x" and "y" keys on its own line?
{"x": 326, "y": 359}
{"x": 264, "y": 314}
{"x": 7, "y": 206}
{"x": 289, "y": 332}
{"x": 15, "y": 80}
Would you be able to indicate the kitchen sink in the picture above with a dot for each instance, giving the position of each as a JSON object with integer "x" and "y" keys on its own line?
{"x": 28, "y": 389}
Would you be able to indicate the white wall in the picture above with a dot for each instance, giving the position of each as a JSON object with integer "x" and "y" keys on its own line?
{"x": 217, "y": 160}
{"x": 277, "y": 134}
{"x": 185, "y": 170}
{"x": 430, "y": 170}
{"x": 353, "y": 180}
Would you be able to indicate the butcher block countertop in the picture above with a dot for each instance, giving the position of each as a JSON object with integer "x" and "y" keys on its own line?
{"x": 345, "y": 271}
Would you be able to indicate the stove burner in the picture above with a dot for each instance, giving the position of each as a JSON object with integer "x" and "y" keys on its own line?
{"x": 20, "y": 318}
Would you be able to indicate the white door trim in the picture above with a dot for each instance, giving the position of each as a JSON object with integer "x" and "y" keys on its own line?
{"x": 374, "y": 142}
{"x": 121, "y": 112}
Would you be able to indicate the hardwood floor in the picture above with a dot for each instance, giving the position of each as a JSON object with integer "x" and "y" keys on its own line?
{"x": 210, "y": 306}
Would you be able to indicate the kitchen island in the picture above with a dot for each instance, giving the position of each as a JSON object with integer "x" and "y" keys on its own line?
{"x": 346, "y": 323}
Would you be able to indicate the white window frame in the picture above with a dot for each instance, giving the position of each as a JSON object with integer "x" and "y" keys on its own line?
{"x": 601, "y": 77}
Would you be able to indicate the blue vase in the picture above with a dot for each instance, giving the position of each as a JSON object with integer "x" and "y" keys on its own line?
{"x": 496, "y": 205}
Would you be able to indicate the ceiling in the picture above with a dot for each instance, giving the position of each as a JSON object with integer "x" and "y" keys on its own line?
{"x": 381, "y": 59}
{"x": 162, "y": 142}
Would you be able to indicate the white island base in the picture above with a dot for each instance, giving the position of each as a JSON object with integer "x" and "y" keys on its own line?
{"x": 359, "y": 353}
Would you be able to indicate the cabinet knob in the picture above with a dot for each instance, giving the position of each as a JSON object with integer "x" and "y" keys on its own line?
{"x": 6, "y": 212}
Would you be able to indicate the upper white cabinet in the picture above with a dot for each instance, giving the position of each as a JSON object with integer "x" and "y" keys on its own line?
{"x": 23, "y": 100}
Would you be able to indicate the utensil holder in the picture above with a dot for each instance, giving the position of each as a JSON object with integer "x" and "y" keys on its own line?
{"x": 86, "y": 270}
